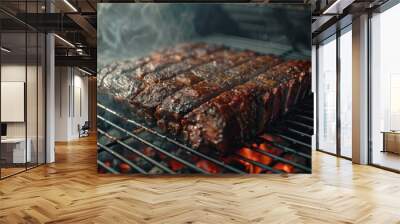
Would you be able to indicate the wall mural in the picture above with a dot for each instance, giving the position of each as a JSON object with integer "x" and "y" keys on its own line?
{"x": 204, "y": 89}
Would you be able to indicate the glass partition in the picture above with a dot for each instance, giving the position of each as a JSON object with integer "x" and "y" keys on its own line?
{"x": 14, "y": 151}
{"x": 327, "y": 95}
{"x": 41, "y": 97}
{"x": 32, "y": 97}
{"x": 22, "y": 77}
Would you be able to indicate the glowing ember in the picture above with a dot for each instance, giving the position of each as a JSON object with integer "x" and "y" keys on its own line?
{"x": 208, "y": 166}
{"x": 295, "y": 158}
{"x": 255, "y": 156}
{"x": 270, "y": 149}
{"x": 131, "y": 156}
{"x": 101, "y": 169}
{"x": 263, "y": 146}
{"x": 271, "y": 138}
{"x": 284, "y": 167}
{"x": 107, "y": 163}
{"x": 175, "y": 165}
{"x": 248, "y": 153}
{"x": 124, "y": 168}
{"x": 150, "y": 152}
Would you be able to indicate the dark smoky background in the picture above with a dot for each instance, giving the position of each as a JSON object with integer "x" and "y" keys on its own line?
{"x": 129, "y": 30}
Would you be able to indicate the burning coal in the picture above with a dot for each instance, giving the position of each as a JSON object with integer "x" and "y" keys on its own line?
{"x": 260, "y": 151}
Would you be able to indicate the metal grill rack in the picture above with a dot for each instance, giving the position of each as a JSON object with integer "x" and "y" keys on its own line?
{"x": 121, "y": 139}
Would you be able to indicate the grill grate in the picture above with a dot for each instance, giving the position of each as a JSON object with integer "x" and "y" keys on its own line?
{"x": 125, "y": 133}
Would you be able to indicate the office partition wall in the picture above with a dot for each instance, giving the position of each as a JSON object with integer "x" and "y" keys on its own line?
{"x": 22, "y": 77}
{"x": 14, "y": 148}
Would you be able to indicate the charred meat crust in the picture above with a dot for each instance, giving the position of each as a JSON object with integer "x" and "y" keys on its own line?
{"x": 153, "y": 95}
{"x": 174, "y": 107}
{"x": 244, "y": 111}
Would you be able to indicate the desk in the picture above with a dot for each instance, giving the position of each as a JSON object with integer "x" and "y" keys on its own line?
{"x": 13, "y": 150}
{"x": 391, "y": 141}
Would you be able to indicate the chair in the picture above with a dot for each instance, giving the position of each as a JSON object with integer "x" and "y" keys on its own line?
{"x": 84, "y": 130}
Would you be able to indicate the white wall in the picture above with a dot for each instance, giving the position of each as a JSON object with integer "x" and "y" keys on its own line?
{"x": 9, "y": 73}
{"x": 62, "y": 81}
{"x": 79, "y": 117}
{"x": 16, "y": 73}
{"x": 70, "y": 83}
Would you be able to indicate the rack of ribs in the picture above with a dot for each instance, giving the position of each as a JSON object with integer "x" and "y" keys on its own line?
{"x": 153, "y": 95}
{"x": 170, "y": 112}
{"x": 124, "y": 79}
{"x": 244, "y": 111}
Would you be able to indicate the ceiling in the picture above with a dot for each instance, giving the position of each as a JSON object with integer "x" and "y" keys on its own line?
{"x": 332, "y": 15}
{"x": 74, "y": 22}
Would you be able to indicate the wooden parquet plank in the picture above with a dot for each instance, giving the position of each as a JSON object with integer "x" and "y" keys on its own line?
{"x": 71, "y": 191}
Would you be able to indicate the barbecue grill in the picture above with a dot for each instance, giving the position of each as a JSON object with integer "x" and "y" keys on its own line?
{"x": 129, "y": 144}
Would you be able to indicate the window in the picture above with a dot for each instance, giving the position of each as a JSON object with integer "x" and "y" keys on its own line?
{"x": 327, "y": 96}
{"x": 346, "y": 92}
{"x": 385, "y": 87}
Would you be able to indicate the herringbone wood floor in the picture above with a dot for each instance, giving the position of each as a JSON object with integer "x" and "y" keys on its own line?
{"x": 70, "y": 191}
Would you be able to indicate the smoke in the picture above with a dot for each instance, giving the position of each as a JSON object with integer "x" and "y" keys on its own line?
{"x": 134, "y": 30}
{"x": 131, "y": 30}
